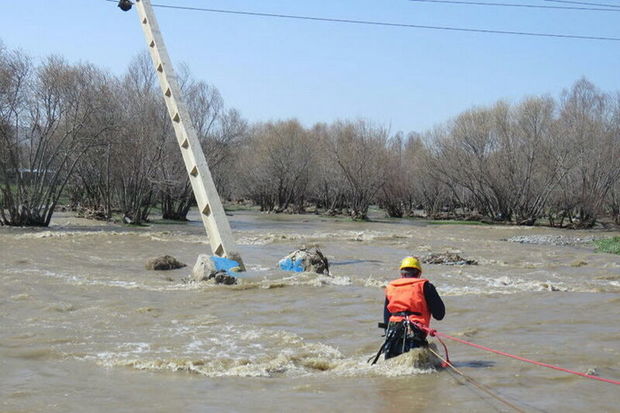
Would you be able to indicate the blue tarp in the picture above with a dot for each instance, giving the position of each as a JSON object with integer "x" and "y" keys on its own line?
{"x": 288, "y": 264}
{"x": 225, "y": 264}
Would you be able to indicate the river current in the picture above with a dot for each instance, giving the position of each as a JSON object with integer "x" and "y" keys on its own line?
{"x": 84, "y": 327}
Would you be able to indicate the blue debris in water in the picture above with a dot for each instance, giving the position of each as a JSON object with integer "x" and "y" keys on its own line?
{"x": 225, "y": 264}
{"x": 288, "y": 264}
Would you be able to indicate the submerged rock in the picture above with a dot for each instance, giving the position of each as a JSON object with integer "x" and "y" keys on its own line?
{"x": 206, "y": 268}
{"x": 163, "y": 263}
{"x": 221, "y": 277}
{"x": 447, "y": 258}
{"x": 203, "y": 269}
{"x": 304, "y": 260}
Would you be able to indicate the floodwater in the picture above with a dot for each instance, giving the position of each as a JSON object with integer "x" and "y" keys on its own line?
{"x": 84, "y": 327}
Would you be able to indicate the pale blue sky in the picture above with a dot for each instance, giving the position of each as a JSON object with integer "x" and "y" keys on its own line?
{"x": 268, "y": 68}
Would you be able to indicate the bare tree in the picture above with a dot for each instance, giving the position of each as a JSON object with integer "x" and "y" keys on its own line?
{"x": 224, "y": 144}
{"x": 613, "y": 198}
{"x": 91, "y": 188}
{"x": 527, "y": 163}
{"x": 220, "y": 132}
{"x": 463, "y": 156}
{"x": 359, "y": 149}
{"x": 587, "y": 123}
{"x": 328, "y": 188}
{"x": 277, "y": 165}
{"x": 54, "y": 112}
{"x": 16, "y": 72}
{"x": 502, "y": 161}
{"x": 432, "y": 191}
{"x": 397, "y": 195}
{"x": 141, "y": 141}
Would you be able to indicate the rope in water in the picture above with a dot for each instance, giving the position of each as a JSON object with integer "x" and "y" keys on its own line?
{"x": 435, "y": 333}
{"x": 482, "y": 387}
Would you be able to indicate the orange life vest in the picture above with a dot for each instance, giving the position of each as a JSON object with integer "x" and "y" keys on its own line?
{"x": 407, "y": 294}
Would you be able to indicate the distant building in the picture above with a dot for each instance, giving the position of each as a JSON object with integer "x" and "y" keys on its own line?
{"x": 26, "y": 174}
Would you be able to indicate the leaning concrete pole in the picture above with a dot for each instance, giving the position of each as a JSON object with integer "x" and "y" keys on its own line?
{"x": 209, "y": 204}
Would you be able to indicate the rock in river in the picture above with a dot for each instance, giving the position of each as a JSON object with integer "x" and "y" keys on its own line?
{"x": 163, "y": 263}
{"x": 305, "y": 260}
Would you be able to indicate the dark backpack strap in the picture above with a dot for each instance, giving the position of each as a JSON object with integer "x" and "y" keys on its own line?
{"x": 391, "y": 335}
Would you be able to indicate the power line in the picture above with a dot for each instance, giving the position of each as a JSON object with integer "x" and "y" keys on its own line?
{"x": 388, "y": 24}
{"x": 532, "y": 6}
{"x": 583, "y": 2}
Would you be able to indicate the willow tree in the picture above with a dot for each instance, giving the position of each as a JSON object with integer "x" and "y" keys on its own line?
{"x": 50, "y": 116}
{"x": 359, "y": 150}
{"x": 278, "y": 162}
{"x": 589, "y": 124}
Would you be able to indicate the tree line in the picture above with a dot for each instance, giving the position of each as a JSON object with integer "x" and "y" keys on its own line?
{"x": 104, "y": 145}
{"x": 101, "y": 144}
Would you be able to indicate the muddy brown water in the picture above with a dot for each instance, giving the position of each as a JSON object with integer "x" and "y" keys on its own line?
{"x": 84, "y": 327}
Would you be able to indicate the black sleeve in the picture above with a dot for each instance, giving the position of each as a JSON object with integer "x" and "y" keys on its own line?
{"x": 434, "y": 302}
{"x": 386, "y": 313}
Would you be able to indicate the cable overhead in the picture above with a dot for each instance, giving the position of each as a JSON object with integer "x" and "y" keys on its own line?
{"x": 387, "y": 24}
{"x": 531, "y": 6}
{"x": 584, "y": 3}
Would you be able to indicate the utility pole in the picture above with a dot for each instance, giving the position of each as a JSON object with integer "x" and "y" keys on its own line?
{"x": 209, "y": 203}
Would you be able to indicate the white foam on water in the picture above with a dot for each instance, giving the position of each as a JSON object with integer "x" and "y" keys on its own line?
{"x": 161, "y": 236}
{"x": 136, "y": 347}
{"x": 84, "y": 280}
{"x": 242, "y": 351}
{"x": 59, "y": 234}
{"x": 257, "y": 238}
{"x": 296, "y": 279}
{"x": 310, "y": 360}
{"x": 258, "y": 267}
{"x": 465, "y": 283}
{"x": 195, "y": 346}
{"x": 471, "y": 284}
{"x": 284, "y": 280}
{"x": 416, "y": 361}
{"x": 505, "y": 284}
{"x": 374, "y": 283}
{"x": 20, "y": 297}
{"x": 228, "y": 351}
{"x": 311, "y": 279}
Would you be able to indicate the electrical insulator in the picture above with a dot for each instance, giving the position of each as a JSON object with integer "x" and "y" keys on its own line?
{"x": 125, "y": 5}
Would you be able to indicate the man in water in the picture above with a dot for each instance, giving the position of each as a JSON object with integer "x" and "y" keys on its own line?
{"x": 409, "y": 298}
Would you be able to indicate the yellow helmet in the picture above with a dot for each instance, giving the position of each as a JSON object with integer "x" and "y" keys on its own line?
{"x": 410, "y": 262}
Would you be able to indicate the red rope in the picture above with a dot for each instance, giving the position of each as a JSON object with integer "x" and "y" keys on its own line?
{"x": 435, "y": 333}
{"x": 446, "y": 362}
{"x": 480, "y": 386}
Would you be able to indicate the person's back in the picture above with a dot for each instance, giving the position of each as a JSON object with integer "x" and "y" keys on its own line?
{"x": 412, "y": 299}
